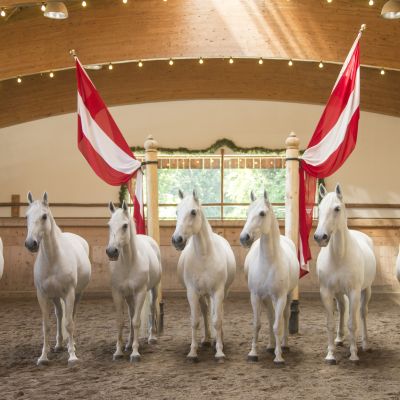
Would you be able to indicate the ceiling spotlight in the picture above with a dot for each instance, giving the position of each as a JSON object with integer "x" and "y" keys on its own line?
{"x": 84, "y": 4}
{"x": 140, "y": 64}
{"x": 383, "y": 71}
{"x": 171, "y": 61}
{"x": 201, "y": 61}
{"x": 260, "y": 61}
{"x": 2, "y": 12}
{"x": 290, "y": 63}
{"x": 19, "y": 80}
{"x": 321, "y": 65}
{"x": 43, "y": 7}
{"x": 329, "y": 1}
{"x": 125, "y": 1}
{"x": 110, "y": 66}
{"x": 51, "y": 74}
{"x": 371, "y": 2}
{"x": 391, "y": 9}
{"x": 231, "y": 60}
{"x": 56, "y": 10}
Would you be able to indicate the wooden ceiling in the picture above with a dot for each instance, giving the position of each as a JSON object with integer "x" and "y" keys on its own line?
{"x": 108, "y": 30}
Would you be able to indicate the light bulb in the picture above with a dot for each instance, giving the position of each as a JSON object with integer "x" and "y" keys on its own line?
{"x": 383, "y": 71}
{"x": 140, "y": 64}
{"x": 329, "y": 1}
{"x": 201, "y": 61}
{"x": 231, "y": 60}
{"x": 171, "y": 61}
{"x": 371, "y": 2}
{"x": 51, "y": 74}
{"x": 2, "y": 12}
{"x": 43, "y": 7}
{"x": 110, "y": 66}
{"x": 19, "y": 80}
{"x": 124, "y": 1}
{"x": 260, "y": 61}
{"x": 84, "y": 4}
{"x": 321, "y": 65}
{"x": 290, "y": 63}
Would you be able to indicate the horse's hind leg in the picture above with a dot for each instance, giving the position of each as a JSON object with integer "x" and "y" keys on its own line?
{"x": 154, "y": 316}
{"x": 45, "y": 307}
{"x": 76, "y": 302}
{"x": 204, "y": 306}
{"x": 286, "y": 316}
{"x": 256, "y": 305}
{"x": 365, "y": 298}
{"x": 279, "y": 305}
{"x": 59, "y": 314}
{"x": 138, "y": 301}
{"x": 270, "y": 315}
{"x": 354, "y": 307}
{"x": 341, "y": 306}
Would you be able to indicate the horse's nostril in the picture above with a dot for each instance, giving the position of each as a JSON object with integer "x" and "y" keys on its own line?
{"x": 35, "y": 243}
{"x": 324, "y": 236}
{"x": 179, "y": 239}
{"x": 247, "y": 236}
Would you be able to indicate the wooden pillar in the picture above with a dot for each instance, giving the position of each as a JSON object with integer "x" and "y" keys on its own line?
{"x": 15, "y": 208}
{"x": 292, "y": 214}
{"x": 153, "y": 223}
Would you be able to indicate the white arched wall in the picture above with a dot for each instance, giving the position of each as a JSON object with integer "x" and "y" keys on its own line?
{"x": 43, "y": 155}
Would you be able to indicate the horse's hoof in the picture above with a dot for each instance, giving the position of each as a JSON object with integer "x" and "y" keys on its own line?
{"x": 354, "y": 360}
{"x": 252, "y": 358}
{"x": 330, "y": 361}
{"x": 43, "y": 362}
{"x": 192, "y": 359}
{"x": 285, "y": 348}
{"x": 135, "y": 359}
{"x": 59, "y": 349}
{"x": 72, "y": 362}
{"x": 339, "y": 343}
{"x": 152, "y": 341}
{"x": 206, "y": 343}
{"x": 271, "y": 350}
{"x": 117, "y": 357}
{"x": 220, "y": 359}
{"x": 279, "y": 363}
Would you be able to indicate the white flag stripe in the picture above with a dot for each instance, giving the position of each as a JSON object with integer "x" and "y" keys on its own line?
{"x": 103, "y": 145}
{"x": 319, "y": 153}
{"x": 347, "y": 61}
{"x": 139, "y": 191}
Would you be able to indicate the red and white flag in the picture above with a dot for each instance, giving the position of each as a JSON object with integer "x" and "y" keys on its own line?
{"x": 331, "y": 144}
{"x": 102, "y": 144}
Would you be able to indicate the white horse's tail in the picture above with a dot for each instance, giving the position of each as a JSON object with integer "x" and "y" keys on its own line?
{"x": 145, "y": 316}
{"x": 63, "y": 328}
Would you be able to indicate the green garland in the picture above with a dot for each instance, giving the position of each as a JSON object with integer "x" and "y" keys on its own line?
{"x": 123, "y": 192}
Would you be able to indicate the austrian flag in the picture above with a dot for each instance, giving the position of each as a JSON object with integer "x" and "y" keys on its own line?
{"x": 102, "y": 144}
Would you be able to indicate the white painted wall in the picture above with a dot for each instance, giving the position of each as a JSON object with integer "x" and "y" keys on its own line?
{"x": 43, "y": 155}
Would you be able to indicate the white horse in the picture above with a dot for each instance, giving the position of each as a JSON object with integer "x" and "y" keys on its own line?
{"x": 398, "y": 266}
{"x": 206, "y": 268}
{"x": 135, "y": 270}
{"x": 272, "y": 271}
{"x": 346, "y": 266}
{"x": 1, "y": 259}
{"x": 61, "y": 272}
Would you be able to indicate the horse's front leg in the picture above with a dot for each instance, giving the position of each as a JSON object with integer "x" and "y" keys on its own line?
{"x": 119, "y": 309}
{"x": 70, "y": 324}
{"x": 131, "y": 312}
{"x": 218, "y": 318}
{"x": 270, "y": 315}
{"x": 341, "y": 306}
{"x": 44, "y": 304}
{"x": 59, "y": 314}
{"x": 354, "y": 308}
{"x": 138, "y": 299}
{"x": 256, "y": 305}
{"x": 193, "y": 299}
{"x": 279, "y": 304}
{"x": 365, "y": 298}
{"x": 205, "y": 305}
{"x": 327, "y": 299}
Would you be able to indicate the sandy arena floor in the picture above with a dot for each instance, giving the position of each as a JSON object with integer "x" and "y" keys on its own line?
{"x": 165, "y": 374}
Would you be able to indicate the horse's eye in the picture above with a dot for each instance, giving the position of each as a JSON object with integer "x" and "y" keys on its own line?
{"x": 125, "y": 227}
{"x": 44, "y": 217}
{"x": 193, "y": 212}
{"x": 262, "y": 213}
{"x": 337, "y": 209}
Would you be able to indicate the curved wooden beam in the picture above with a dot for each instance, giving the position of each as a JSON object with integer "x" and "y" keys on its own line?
{"x": 38, "y": 96}
{"x": 108, "y": 30}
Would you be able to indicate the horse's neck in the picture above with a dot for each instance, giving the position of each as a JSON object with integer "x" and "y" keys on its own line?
{"x": 202, "y": 240}
{"x": 50, "y": 245}
{"x": 129, "y": 251}
{"x": 340, "y": 241}
{"x": 270, "y": 242}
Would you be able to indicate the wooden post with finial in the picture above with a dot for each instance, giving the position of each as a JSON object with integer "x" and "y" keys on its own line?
{"x": 292, "y": 214}
{"x": 153, "y": 225}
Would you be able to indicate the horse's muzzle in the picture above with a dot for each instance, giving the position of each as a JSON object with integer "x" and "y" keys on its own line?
{"x": 113, "y": 253}
{"x": 246, "y": 240}
{"x": 32, "y": 245}
{"x": 322, "y": 239}
{"x": 178, "y": 242}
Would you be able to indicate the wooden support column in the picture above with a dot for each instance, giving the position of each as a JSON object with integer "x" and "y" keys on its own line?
{"x": 292, "y": 214}
{"x": 153, "y": 224}
{"x": 15, "y": 208}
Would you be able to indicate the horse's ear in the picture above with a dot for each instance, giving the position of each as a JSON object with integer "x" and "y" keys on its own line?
{"x": 124, "y": 206}
{"x": 45, "y": 199}
{"x": 180, "y": 194}
{"x": 30, "y": 198}
{"x": 252, "y": 196}
{"x": 322, "y": 191}
{"x": 111, "y": 207}
{"x": 266, "y": 197}
{"x": 196, "y": 198}
{"x": 339, "y": 192}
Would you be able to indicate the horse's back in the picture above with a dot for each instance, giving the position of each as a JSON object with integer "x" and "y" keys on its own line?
{"x": 223, "y": 244}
